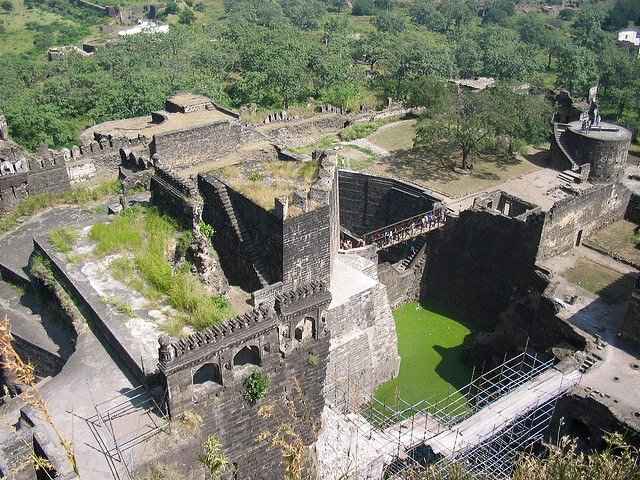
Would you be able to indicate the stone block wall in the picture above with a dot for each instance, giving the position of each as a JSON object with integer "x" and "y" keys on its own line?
{"x": 633, "y": 209}
{"x": 631, "y": 324}
{"x": 289, "y": 344}
{"x": 48, "y": 176}
{"x": 479, "y": 261}
{"x": 186, "y": 148}
{"x": 306, "y": 248}
{"x": 573, "y": 219}
{"x": 13, "y": 189}
{"x": 368, "y": 202}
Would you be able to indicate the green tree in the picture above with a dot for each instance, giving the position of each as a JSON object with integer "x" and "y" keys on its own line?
{"x": 425, "y": 12}
{"x": 457, "y": 14}
{"x": 465, "y": 127}
{"x": 372, "y": 49}
{"x": 435, "y": 94}
{"x": 390, "y": 22}
{"x": 577, "y": 69}
{"x": 587, "y": 29}
{"x": 6, "y": 5}
{"x": 362, "y": 7}
{"x": 304, "y": 14}
{"x": 414, "y": 55}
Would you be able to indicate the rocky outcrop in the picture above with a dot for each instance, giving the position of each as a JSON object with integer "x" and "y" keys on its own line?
{"x": 205, "y": 260}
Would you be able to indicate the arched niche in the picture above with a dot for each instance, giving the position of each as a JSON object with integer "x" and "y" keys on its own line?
{"x": 305, "y": 329}
{"x": 249, "y": 355}
{"x": 208, "y": 374}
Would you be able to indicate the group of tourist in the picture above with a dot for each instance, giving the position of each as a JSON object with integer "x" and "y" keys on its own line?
{"x": 402, "y": 231}
{"x": 591, "y": 118}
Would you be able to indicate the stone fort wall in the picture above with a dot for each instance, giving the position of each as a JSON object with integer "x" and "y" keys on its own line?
{"x": 573, "y": 219}
{"x": 288, "y": 343}
{"x": 368, "y": 202}
{"x": 189, "y": 147}
{"x": 44, "y": 176}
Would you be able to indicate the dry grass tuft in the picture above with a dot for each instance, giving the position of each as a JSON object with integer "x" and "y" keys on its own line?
{"x": 24, "y": 375}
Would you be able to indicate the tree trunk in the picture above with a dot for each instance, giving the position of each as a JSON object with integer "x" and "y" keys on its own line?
{"x": 467, "y": 163}
{"x": 549, "y": 61}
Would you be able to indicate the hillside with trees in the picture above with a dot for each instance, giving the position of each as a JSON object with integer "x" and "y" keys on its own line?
{"x": 278, "y": 54}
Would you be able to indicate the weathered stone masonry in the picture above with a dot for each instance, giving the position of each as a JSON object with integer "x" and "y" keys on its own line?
{"x": 206, "y": 371}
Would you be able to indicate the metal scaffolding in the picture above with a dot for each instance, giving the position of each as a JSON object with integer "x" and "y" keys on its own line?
{"x": 124, "y": 422}
{"x": 400, "y": 434}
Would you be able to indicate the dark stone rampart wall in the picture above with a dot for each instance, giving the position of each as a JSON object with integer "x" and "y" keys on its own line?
{"x": 587, "y": 419}
{"x": 296, "y": 367}
{"x": 586, "y": 213}
{"x": 175, "y": 196}
{"x": 306, "y": 253}
{"x": 633, "y": 209}
{"x": 13, "y": 189}
{"x": 480, "y": 261}
{"x": 368, "y": 202}
{"x": 190, "y": 147}
{"x": 264, "y": 227}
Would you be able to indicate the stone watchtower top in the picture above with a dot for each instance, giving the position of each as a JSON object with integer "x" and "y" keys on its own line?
{"x": 603, "y": 131}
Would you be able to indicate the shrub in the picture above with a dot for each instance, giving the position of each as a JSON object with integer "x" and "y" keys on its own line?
{"x": 256, "y": 176}
{"x": 362, "y": 7}
{"x": 206, "y": 229}
{"x": 213, "y": 457}
{"x": 256, "y": 386}
{"x": 63, "y": 239}
{"x": 6, "y": 5}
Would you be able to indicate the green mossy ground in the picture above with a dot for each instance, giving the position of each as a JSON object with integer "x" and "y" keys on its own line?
{"x": 430, "y": 346}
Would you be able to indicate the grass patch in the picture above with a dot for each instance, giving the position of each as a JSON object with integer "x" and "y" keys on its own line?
{"x": 621, "y": 238}
{"x": 146, "y": 238}
{"x": 430, "y": 345}
{"x": 396, "y": 136}
{"x": 326, "y": 142}
{"x": 359, "y": 130}
{"x": 611, "y": 285}
{"x": 120, "y": 306}
{"x": 63, "y": 239}
{"x": 355, "y": 157}
{"x": 37, "y": 203}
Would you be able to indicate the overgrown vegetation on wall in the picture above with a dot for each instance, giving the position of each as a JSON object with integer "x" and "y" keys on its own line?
{"x": 37, "y": 203}
{"x": 256, "y": 386}
{"x": 146, "y": 242}
{"x": 277, "y": 54}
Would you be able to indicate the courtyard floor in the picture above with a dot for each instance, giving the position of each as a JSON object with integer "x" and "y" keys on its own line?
{"x": 430, "y": 346}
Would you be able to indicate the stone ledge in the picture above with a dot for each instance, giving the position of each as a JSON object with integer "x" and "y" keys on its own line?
{"x": 108, "y": 324}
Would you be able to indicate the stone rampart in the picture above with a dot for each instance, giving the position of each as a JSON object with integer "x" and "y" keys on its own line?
{"x": 206, "y": 373}
{"x": 176, "y": 196}
{"x": 369, "y": 202}
{"x": 107, "y": 324}
{"x": 189, "y": 147}
{"x": 573, "y": 219}
{"x": 482, "y": 244}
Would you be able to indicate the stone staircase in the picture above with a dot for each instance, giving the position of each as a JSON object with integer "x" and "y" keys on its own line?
{"x": 590, "y": 360}
{"x": 558, "y": 131}
{"x": 246, "y": 241}
{"x": 569, "y": 176}
{"x": 418, "y": 245}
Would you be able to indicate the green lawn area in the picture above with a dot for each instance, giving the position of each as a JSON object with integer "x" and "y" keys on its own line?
{"x": 395, "y": 136}
{"x": 432, "y": 171}
{"x": 611, "y": 285}
{"x": 619, "y": 238}
{"x": 430, "y": 346}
